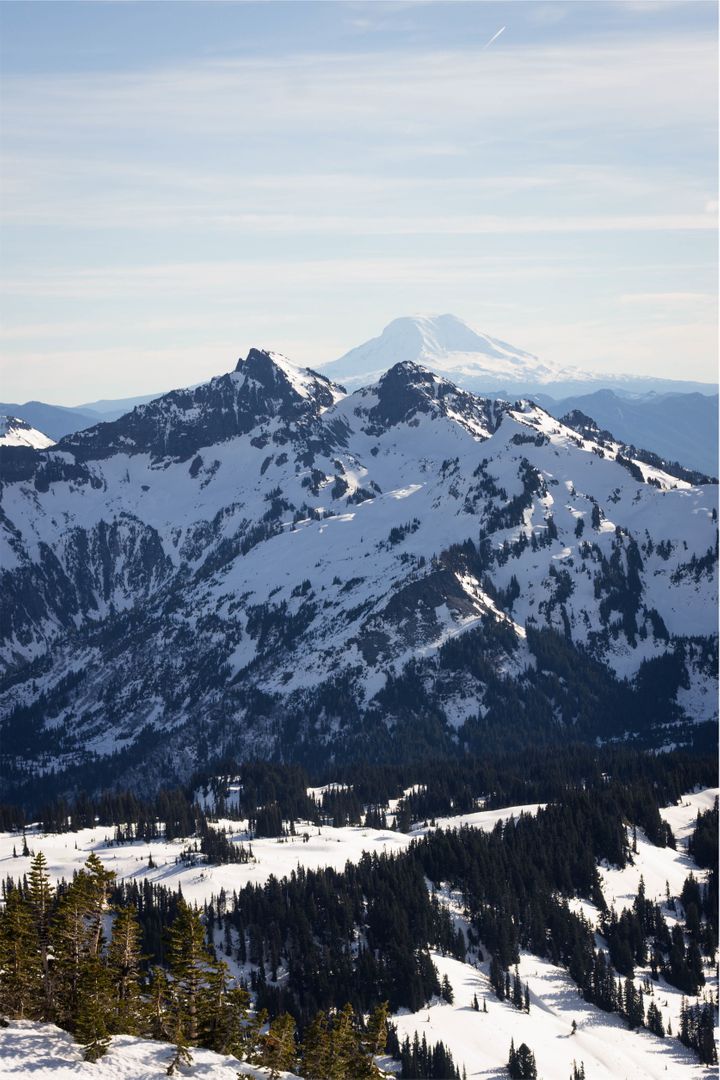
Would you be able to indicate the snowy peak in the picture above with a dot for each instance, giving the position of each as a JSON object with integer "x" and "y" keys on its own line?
{"x": 409, "y": 391}
{"x": 17, "y": 432}
{"x": 265, "y": 391}
{"x": 445, "y": 344}
{"x": 441, "y": 335}
{"x": 278, "y": 375}
{"x": 472, "y": 359}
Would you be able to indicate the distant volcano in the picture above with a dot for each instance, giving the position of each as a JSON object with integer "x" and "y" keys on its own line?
{"x": 478, "y": 362}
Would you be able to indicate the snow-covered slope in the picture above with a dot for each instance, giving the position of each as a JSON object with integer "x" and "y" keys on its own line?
{"x": 44, "y": 1051}
{"x": 443, "y": 343}
{"x": 263, "y": 563}
{"x": 325, "y": 846}
{"x": 17, "y": 432}
{"x": 451, "y": 347}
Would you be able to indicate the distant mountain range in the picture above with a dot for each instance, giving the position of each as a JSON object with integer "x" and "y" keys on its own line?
{"x": 677, "y": 420}
{"x": 678, "y": 427}
{"x": 56, "y": 421}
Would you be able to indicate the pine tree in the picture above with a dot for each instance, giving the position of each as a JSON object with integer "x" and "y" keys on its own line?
{"x": 343, "y": 1045}
{"x": 235, "y": 1031}
{"x": 98, "y": 882}
{"x": 181, "y": 1055}
{"x": 40, "y": 896}
{"x": 278, "y": 1047}
{"x": 189, "y": 962}
{"x": 517, "y": 991}
{"x": 94, "y": 1004}
{"x": 123, "y": 960}
{"x": 374, "y": 1039}
{"x": 70, "y": 944}
{"x": 655, "y": 1020}
{"x": 158, "y": 1004}
{"x": 21, "y": 976}
{"x": 315, "y": 1051}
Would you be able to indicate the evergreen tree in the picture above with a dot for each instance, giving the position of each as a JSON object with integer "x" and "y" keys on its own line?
{"x": 315, "y": 1051}
{"x": 344, "y": 1050}
{"x": 21, "y": 975}
{"x": 94, "y": 1004}
{"x": 97, "y": 887}
{"x": 189, "y": 963}
{"x": 655, "y": 1020}
{"x": 521, "y": 1062}
{"x": 158, "y": 1003}
{"x": 70, "y": 941}
{"x": 181, "y": 1055}
{"x": 40, "y": 896}
{"x": 235, "y": 1032}
{"x": 278, "y": 1049}
{"x": 124, "y": 959}
{"x": 373, "y": 1040}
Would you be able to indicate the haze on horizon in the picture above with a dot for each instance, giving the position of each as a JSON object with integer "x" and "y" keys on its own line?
{"x": 182, "y": 181}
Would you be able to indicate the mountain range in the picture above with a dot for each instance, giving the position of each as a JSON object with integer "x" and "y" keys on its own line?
{"x": 267, "y": 566}
{"x": 676, "y": 420}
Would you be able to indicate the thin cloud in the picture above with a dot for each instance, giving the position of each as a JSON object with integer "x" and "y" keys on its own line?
{"x": 668, "y": 298}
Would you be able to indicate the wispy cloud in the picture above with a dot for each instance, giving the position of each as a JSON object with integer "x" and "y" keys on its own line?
{"x": 657, "y": 82}
{"x": 308, "y": 196}
{"x": 668, "y": 298}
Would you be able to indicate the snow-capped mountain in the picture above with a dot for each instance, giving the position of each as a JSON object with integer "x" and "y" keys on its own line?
{"x": 17, "y": 432}
{"x": 266, "y": 565}
{"x": 472, "y": 359}
{"x": 443, "y": 343}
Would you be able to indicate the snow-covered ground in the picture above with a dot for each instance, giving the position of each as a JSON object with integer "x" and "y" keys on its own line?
{"x": 324, "y": 846}
{"x": 43, "y": 1050}
{"x": 479, "y": 1041}
{"x": 603, "y": 1043}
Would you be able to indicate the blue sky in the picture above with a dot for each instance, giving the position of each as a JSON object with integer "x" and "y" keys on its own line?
{"x": 182, "y": 181}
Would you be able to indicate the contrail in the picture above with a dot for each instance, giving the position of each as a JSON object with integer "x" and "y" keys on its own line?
{"x": 493, "y": 38}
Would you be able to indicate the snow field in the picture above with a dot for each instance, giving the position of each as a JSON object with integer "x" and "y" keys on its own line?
{"x": 326, "y": 846}
{"x": 479, "y": 1041}
{"x": 45, "y": 1052}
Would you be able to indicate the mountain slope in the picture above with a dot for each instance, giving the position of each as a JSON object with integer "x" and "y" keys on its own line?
{"x": 17, "y": 432}
{"x": 678, "y": 427}
{"x": 263, "y": 565}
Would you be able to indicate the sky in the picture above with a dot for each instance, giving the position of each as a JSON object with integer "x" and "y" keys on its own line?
{"x": 180, "y": 182}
